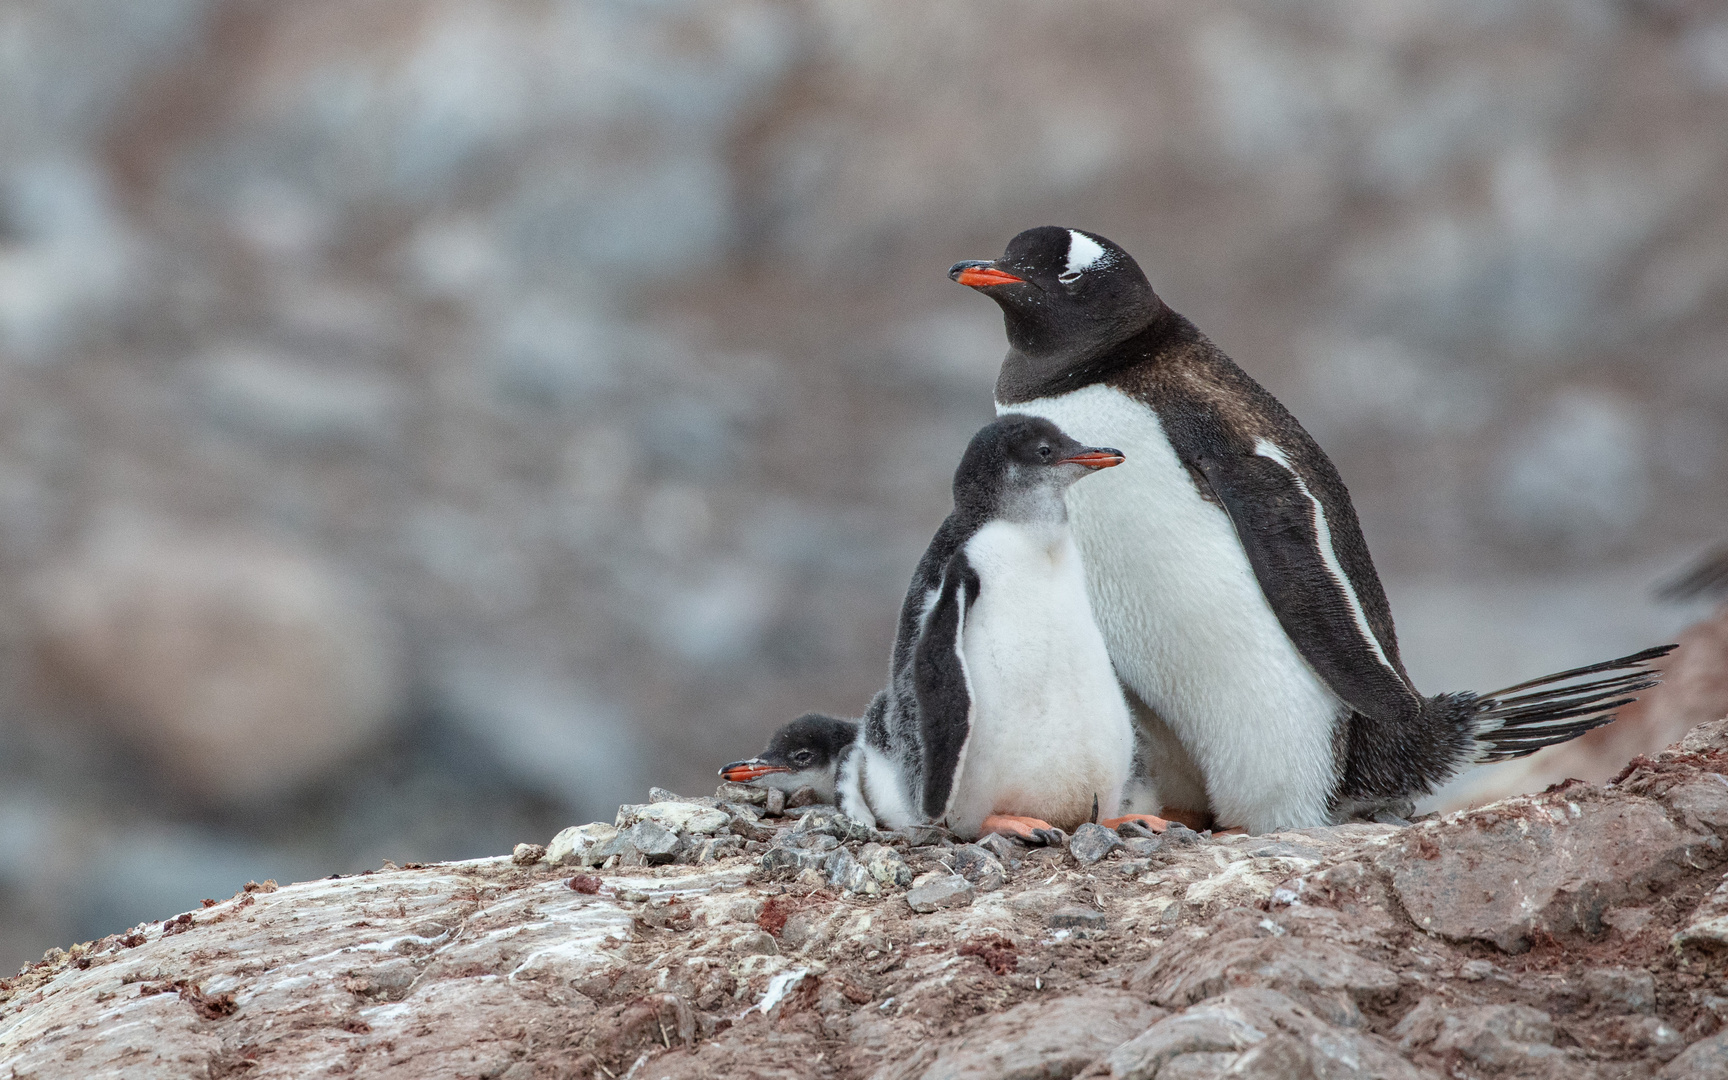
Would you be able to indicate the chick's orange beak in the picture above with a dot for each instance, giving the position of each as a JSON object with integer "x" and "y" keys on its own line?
{"x": 742, "y": 772}
{"x": 1101, "y": 457}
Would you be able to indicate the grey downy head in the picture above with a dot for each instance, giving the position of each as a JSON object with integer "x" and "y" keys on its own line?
{"x": 1018, "y": 467}
{"x": 804, "y": 753}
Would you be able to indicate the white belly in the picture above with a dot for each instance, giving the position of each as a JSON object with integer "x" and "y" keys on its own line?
{"x": 1187, "y": 626}
{"x": 1050, "y": 729}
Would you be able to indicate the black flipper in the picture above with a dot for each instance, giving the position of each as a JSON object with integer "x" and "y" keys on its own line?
{"x": 1282, "y": 526}
{"x": 943, "y": 689}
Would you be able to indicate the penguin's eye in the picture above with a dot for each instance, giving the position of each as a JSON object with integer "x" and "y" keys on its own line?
{"x": 1069, "y": 278}
{"x": 1044, "y": 452}
{"x": 803, "y": 757}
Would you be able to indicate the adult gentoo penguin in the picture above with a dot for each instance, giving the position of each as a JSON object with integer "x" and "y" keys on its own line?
{"x": 807, "y": 752}
{"x": 1226, "y": 567}
{"x": 1002, "y": 712}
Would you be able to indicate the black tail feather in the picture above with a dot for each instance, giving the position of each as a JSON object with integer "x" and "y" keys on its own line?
{"x": 1556, "y": 707}
{"x": 1512, "y": 711}
{"x": 1635, "y": 659}
{"x": 1552, "y": 721}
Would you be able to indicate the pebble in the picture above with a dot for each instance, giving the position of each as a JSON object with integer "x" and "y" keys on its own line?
{"x": 796, "y": 860}
{"x": 678, "y": 817}
{"x": 656, "y": 842}
{"x": 746, "y": 822}
{"x": 886, "y": 866}
{"x": 1642, "y": 1034}
{"x": 719, "y": 847}
{"x": 1076, "y": 918}
{"x": 844, "y": 872}
{"x": 1497, "y": 1037}
{"x": 1140, "y": 847}
{"x": 584, "y": 845}
{"x": 1179, "y": 834}
{"x": 741, "y": 793}
{"x": 744, "y": 810}
{"x": 1006, "y": 850}
{"x": 830, "y": 822}
{"x": 951, "y": 891}
{"x": 756, "y": 943}
{"x": 980, "y": 867}
{"x": 804, "y": 796}
{"x": 526, "y": 854}
{"x": 1631, "y": 990}
{"x": 925, "y": 835}
{"x": 1709, "y": 932}
{"x": 1092, "y": 842}
{"x": 775, "y": 803}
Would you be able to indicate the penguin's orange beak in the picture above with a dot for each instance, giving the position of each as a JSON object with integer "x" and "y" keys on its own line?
{"x": 981, "y": 275}
{"x": 1097, "y": 457}
{"x": 742, "y": 772}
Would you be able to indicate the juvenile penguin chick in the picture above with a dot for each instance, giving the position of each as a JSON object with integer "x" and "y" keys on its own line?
{"x": 1227, "y": 569}
{"x": 804, "y": 753}
{"x": 1002, "y": 712}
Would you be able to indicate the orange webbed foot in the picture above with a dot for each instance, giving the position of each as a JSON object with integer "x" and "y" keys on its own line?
{"x": 1030, "y": 829}
{"x": 1144, "y": 824}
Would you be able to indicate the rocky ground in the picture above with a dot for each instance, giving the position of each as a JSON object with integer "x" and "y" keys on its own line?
{"x": 1577, "y": 933}
{"x": 532, "y": 401}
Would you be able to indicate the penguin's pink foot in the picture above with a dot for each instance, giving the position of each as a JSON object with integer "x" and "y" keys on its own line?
{"x": 1030, "y": 829}
{"x": 1150, "y": 823}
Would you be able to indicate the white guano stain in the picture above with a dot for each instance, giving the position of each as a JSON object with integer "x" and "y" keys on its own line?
{"x": 779, "y": 986}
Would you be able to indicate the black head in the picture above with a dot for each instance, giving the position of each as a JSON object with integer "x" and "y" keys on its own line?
{"x": 1018, "y": 468}
{"x": 1067, "y": 295}
{"x": 804, "y": 753}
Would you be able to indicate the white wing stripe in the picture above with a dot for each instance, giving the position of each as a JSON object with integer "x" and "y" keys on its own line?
{"x": 966, "y": 680}
{"x": 1323, "y": 533}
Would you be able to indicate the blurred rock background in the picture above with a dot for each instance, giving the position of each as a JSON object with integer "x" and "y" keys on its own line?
{"x": 424, "y": 423}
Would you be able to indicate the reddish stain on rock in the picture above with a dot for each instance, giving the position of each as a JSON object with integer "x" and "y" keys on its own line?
{"x": 996, "y": 951}
{"x": 774, "y": 914}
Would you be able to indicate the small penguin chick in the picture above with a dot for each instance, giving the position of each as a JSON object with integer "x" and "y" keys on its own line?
{"x": 804, "y": 753}
{"x": 1002, "y": 712}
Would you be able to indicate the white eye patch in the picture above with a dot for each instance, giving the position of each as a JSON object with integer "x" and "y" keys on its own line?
{"x": 1083, "y": 254}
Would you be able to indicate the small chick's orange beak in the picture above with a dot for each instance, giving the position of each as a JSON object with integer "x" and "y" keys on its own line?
{"x": 742, "y": 772}
{"x": 1101, "y": 457}
{"x": 981, "y": 275}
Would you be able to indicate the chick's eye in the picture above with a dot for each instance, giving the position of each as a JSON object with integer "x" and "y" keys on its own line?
{"x": 1044, "y": 452}
{"x": 802, "y": 757}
